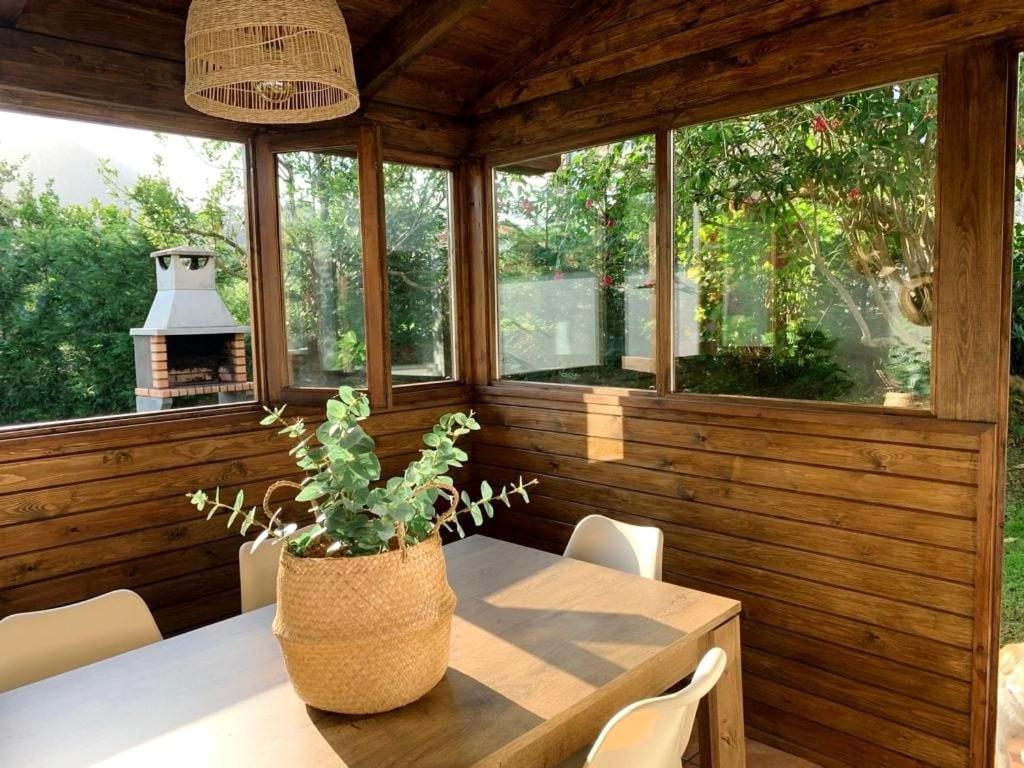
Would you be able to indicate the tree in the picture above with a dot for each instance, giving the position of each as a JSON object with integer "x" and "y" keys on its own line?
{"x": 828, "y": 207}
{"x": 74, "y": 279}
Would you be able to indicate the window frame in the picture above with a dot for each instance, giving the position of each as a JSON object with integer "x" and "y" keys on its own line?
{"x": 257, "y": 335}
{"x": 670, "y": 139}
{"x": 664, "y": 348}
{"x": 290, "y": 391}
{"x": 494, "y": 266}
{"x": 453, "y": 291}
{"x": 364, "y": 141}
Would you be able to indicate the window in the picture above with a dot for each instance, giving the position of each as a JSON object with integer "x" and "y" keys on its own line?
{"x": 84, "y": 330}
{"x": 322, "y": 254}
{"x": 575, "y": 240}
{"x": 418, "y": 213}
{"x": 805, "y": 250}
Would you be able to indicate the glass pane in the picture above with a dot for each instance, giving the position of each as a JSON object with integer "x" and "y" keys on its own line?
{"x": 418, "y": 214}
{"x": 805, "y": 250}
{"x": 322, "y": 253}
{"x": 576, "y": 267}
{"x": 82, "y": 332}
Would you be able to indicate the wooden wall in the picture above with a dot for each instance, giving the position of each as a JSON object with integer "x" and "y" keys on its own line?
{"x": 851, "y": 543}
{"x": 90, "y": 507}
{"x": 85, "y": 512}
{"x": 864, "y": 545}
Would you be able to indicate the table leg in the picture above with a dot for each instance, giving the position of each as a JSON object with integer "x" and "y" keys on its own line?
{"x": 725, "y": 741}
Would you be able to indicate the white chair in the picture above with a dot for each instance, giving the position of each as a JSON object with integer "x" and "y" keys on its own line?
{"x": 257, "y": 572}
{"x": 634, "y": 549}
{"x": 653, "y": 733}
{"x": 41, "y": 644}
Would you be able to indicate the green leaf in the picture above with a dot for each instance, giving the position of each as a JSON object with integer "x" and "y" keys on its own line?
{"x": 311, "y": 492}
{"x": 250, "y": 518}
{"x": 336, "y": 411}
{"x": 486, "y": 492}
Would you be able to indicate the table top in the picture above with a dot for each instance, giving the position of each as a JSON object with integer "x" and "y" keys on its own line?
{"x": 544, "y": 650}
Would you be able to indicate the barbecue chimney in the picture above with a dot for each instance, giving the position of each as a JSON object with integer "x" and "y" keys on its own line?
{"x": 190, "y": 343}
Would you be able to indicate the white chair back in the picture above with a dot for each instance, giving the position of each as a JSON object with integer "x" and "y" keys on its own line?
{"x": 41, "y": 644}
{"x": 257, "y": 572}
{"x": 633, "y": 549}
{"x": 654, "y": 733}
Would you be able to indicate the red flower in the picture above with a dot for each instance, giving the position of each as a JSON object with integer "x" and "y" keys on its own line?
{"x": 610, "y": 223}
{"x": 820, "y": 124}
{"x": 589, "y": 204}
{"x": 854, "y": 194}
{"x": 559, "y": 275}
{"x": 606, "y": 281}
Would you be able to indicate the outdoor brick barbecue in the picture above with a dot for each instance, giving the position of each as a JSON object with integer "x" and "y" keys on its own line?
{"x": 190, "y": 344}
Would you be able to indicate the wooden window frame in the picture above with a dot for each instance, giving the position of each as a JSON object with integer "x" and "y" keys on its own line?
{"x": 745, "y": 105}
{"x": 493, "y": 336}
{"x": 258, "y": 338}
{"x": 363, "y": 139}
{"x": 415, "y": 160}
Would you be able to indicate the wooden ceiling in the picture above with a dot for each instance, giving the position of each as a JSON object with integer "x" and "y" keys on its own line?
{"x": 435, "y": 55}
{"x": 491, "y": 76}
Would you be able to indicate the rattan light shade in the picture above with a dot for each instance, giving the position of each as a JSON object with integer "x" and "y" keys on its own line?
{"x": 269, "y": 61}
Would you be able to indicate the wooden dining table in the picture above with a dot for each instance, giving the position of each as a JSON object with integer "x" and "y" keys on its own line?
{"x": 544, "y": 651}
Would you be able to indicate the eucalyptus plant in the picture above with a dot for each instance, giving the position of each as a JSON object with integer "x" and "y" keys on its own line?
{"x": 354, "y": 513}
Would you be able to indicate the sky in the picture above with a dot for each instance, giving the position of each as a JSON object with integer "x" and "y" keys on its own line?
{"x": 69, "y": 151}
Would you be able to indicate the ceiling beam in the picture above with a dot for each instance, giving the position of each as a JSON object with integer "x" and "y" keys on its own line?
{"x": 583, "y": 17}
{"x": 419, "y": 27}
{"x": 10, "y": 12}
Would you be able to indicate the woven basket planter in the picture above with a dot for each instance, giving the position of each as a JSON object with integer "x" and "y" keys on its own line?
{"x": 362, "y": 635}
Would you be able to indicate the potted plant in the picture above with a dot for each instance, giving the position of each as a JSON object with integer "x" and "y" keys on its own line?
{"x": 364, "y": 606}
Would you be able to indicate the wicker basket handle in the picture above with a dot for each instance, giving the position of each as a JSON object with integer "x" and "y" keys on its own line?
{"x": 275, "y": 487}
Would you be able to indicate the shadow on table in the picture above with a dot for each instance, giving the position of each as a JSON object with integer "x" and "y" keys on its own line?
{"x": 560, "y": 636}
{"x": 441, "y": 730}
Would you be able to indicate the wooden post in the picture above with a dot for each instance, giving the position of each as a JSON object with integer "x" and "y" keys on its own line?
{"x": 270, "y": 339}
{"x": 975, "y": 192}
{"x": 664, "y": 325}
{"x": 475, "y": 187}
{"x": 375, "y": 277}
{"x": 970, "y": 374}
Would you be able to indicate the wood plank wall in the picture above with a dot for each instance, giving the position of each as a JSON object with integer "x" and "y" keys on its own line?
{"x": 92, "y": 511}
{"x": 850, "y": 543}
{"x": 865, "y": 547}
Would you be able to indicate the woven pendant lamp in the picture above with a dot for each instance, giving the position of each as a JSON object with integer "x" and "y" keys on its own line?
{"x": 269, "y": 61}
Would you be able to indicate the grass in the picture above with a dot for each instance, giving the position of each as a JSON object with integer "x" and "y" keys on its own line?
{"x": 1013, "y": 557}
